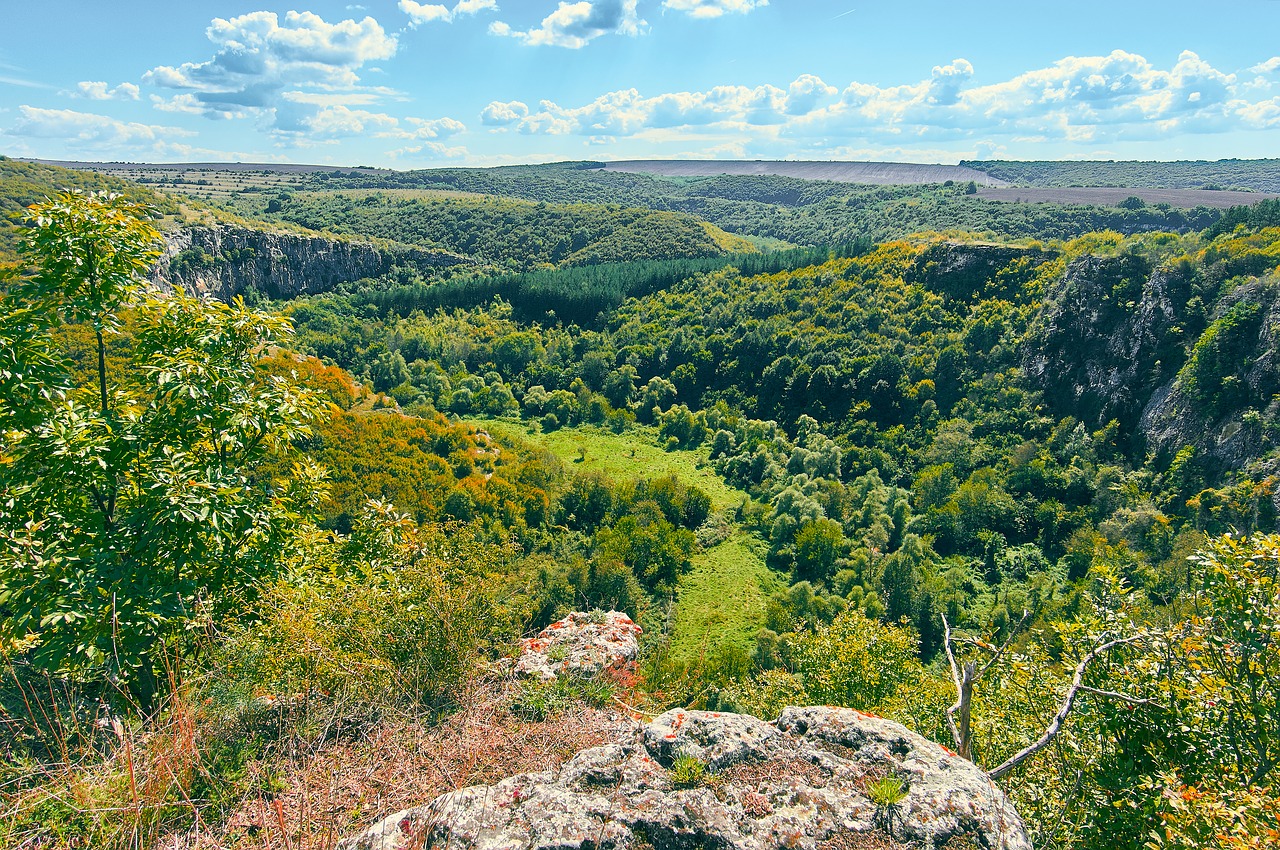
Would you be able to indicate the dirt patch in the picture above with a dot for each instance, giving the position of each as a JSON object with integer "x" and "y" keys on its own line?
{"x": 1109, "y": 197}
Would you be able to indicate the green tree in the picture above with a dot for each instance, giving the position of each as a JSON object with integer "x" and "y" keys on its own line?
{"x": 818, "y": 544}
{"x": 132, "y": 513}
{"x": 655, "y": 550}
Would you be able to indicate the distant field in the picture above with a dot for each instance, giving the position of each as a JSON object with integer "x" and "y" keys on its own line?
{"x": 877, "y": 173}
{"x": 1109, "y": 197}
{"x": 1258, "y": 175}
{"x": 210, "y": 180}
{"x": 235, "y": 167}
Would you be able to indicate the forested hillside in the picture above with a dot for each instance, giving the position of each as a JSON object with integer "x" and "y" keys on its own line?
{"x": 1018, "y": 493}
{"x": 25, "y": 183}
{"x": 800, "y": 212}
{"x": 510, "y": 234}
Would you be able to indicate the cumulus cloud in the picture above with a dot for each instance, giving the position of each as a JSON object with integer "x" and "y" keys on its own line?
{"x": 94, "y": 90}
{"x": 713, "y": 8}
{"x": 500, "y": 114}
{"x": 1269, "y": 67}
{"x": 806, "y": 93}
{"x": 1078, "y": 98}
{"x": 627, "y": 112}
{"x": 430, "y": 151}
{"x": 438, "y": 128}
{"x": 339, "y": 122}
{"x": 88, "y": 131}
{"x": 259, "y": 57}
{"x": 425, "y": 13}
{"x": 574, "y": 25}
{"x": 1090, "y": 100}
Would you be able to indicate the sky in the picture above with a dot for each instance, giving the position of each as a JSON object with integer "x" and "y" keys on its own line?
{"x": 407, "y": 84}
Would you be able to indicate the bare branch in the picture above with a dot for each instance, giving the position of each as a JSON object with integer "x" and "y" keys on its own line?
{"x": 1055, "y": 726}
{"x": 955, "y": 678}
{"x": 946, "y": 642}
{"x": 964, "y": 678}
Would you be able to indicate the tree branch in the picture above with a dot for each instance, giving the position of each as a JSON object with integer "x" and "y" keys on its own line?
{"x": 1055, "y": 726}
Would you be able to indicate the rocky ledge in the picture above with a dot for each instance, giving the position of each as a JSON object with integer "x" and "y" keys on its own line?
{"x": 693, "y": 779}
{"x": 582, "y": 644}
{"x": 225, "y": 260}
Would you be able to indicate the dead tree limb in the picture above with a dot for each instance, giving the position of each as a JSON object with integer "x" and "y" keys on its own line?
{"x": 964, "y": 677}
{"x": 1055, "y": 725}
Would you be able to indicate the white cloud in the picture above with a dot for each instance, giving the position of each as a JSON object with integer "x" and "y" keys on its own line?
{"x": 438, "y": 128}
{"x": 91, "y": 132}
{"x": 713, "y": 8}
{"x": 574, "y": 25}
{"x": 499, "y": 114}
{"x": 364, "y": 97}
{"x": 1269, "y": 67}
{"x": 1092, "y": 101}
{"x": 430, "y": 151}
{"x": 94, "y": 90}
{"x": 259, "y": 57}
{"x": 627, "y": 112}
{"x": 806, "y": 93}
{"x": 337, "y": 122}
{"x": 424, "y": 13}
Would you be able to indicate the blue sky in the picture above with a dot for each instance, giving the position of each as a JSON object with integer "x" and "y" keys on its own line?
{"x": 408, "y": 84}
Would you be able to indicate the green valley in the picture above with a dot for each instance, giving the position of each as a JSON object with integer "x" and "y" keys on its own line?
{"x": 894, "y": 447}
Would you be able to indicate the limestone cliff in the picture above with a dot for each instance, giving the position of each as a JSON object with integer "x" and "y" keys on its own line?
{"x": 225, "y": 260}
{"x": 1119, "y": 339}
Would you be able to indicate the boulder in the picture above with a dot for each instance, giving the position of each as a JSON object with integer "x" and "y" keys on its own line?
{"x": 801, "y": 782}
{"x": 582, "y": 644}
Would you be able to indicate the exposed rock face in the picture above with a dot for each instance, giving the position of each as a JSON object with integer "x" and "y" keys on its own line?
{"x": 1113, "y": 335}
{"x": 798, "y": 783}
{"x": 582, "y": 644}
{"x": 1172, "y": 418}
{"x": 1105, "y": 338}
{"x": 225, "y": 260}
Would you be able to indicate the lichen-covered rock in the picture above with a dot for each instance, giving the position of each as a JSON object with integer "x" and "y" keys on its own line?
{"x": 582, "y": 644}
{"x": 801, "y": 782}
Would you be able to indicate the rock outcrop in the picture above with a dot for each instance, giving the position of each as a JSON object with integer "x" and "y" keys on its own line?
{"x": 1240, "y": 426}
{"x": 225, "y": 260}
{"x": 582, "y": 644}
{"x": 1107, "y": 337}
{"x": 1112, "y": 340}
{"x": 804, "y": 781}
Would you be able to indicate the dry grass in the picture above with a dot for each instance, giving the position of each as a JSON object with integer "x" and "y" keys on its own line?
{"x": 346, "y": 785}
{"x": 307, "y": 796}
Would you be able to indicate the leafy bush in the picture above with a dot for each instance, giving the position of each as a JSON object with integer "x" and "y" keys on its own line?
{"x": 135, "y": 514}
{"x": 394, "y": 615}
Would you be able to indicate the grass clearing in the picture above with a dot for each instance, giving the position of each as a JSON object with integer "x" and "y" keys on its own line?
{"x": 632, "y": 454}
{"x": 721, "y": 601}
